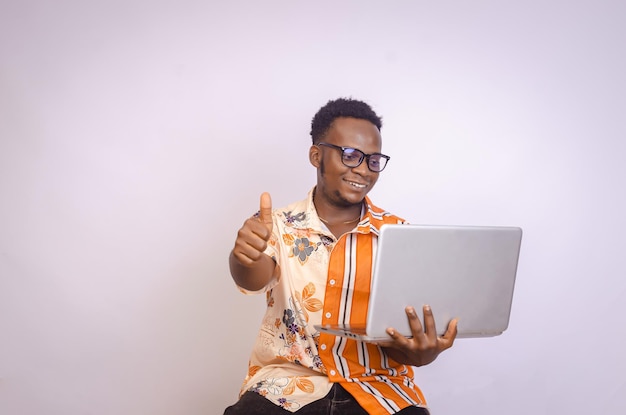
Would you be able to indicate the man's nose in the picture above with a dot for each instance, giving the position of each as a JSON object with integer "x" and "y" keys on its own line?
{"x": 362, "y": 168}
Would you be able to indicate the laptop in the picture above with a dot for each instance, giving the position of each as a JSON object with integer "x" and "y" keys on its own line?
{"x": 464, "y": 272}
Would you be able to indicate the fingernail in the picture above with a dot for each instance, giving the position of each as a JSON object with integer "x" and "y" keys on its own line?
{"x": 427, "y": 308}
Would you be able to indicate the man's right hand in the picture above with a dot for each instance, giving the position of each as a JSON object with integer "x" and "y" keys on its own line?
{"x": 253, "y": 236}
{"x": 250, "y": 267}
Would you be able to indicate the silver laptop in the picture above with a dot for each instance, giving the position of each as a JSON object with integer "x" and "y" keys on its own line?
{"x": 466, "y": 272}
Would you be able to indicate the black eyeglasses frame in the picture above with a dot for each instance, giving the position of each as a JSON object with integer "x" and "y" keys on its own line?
{"x": 364, "y": 156}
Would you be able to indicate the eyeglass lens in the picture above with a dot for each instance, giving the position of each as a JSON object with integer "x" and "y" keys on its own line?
{"x": 352, "y": 157}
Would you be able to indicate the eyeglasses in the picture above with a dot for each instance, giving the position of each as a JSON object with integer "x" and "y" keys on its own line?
{"x": 351, "y": 157}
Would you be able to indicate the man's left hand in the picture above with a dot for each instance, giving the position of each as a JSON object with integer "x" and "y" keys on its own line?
{"x": 425, "y": 345}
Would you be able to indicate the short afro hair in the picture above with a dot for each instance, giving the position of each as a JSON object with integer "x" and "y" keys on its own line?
{"x": 341, "y": 107}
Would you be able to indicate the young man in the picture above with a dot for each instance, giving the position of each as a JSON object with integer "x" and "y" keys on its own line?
{"x": 313, "y": 259}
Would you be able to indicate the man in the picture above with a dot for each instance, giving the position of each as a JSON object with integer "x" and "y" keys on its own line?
{"x": 313, "y": 259}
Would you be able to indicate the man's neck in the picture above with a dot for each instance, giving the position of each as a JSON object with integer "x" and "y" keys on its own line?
{"x": 333, "y": 215}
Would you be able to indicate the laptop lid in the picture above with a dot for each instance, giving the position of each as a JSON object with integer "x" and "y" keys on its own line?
{"x": 460, "y": 271}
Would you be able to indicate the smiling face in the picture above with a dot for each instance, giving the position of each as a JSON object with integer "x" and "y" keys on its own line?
{"x": 339, "y": 185}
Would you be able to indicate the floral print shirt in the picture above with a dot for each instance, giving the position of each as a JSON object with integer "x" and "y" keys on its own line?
{"x": 323, "y": 280}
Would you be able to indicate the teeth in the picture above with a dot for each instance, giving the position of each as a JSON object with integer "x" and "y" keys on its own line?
{"x": 357, "y": 185}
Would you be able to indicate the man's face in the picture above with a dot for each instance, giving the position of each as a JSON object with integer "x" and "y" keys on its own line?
{"x": 338, "y": 184}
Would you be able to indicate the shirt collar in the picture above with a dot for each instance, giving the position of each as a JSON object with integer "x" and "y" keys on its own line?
{"x": 371, "y": 217}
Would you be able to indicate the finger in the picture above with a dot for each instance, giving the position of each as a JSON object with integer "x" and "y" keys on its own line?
{"x": 246, "y": 258}
{"x": 265, "y": 212}
{"x": 249, "y": 252}
{"x": 450, "y": 334}
{"x": 396, "y": 337}
{"x": 415, "y": 324}
{"x": 253, "y": 248}
{"x": 385, "y": 343}
{"x": 429, "y": 322}
{"x": 251, "y": 240}
{"x": 397, "y": 340}
{"x": 255, "y": 232}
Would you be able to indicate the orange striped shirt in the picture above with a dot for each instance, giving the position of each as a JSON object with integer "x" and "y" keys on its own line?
{"x": 324, "y": 280}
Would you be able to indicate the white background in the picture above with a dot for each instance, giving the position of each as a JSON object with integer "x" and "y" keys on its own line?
{"x": 136, "y": 136}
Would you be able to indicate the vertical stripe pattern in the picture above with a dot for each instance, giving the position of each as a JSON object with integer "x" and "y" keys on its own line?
{"x": 380, "y": 385}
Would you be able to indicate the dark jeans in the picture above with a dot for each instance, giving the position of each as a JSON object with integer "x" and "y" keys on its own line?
{"x": 337, "y": 402}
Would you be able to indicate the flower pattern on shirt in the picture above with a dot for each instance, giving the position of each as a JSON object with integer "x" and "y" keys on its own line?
{"x": 277, "y": 386}
{"x": 306, "y": 302}
{"x": 295, "y": 319}
{"x": 303, "y": 248}
{"x": 299, "y": 382}
{"x": 301, "y": 245}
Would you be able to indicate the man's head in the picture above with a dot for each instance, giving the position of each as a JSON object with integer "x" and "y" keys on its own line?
{"x": 346, "y": 152}
{"x": 342, "y": 107}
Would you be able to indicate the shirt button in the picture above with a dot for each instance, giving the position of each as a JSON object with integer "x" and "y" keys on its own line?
{"x": 331, "y": 282}
{"x": 332, "y": 373}
{"x": 328, "y": 315}
{"x": 323, "y": 347}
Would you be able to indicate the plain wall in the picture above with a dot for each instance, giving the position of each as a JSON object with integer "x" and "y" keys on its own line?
{"x": 136, "y": 136}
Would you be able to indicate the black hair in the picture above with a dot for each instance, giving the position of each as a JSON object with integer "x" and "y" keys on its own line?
{"x": 341, "y": 107}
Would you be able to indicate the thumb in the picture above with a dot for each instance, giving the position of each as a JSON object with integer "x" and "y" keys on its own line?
{"x": 265, "y": 213}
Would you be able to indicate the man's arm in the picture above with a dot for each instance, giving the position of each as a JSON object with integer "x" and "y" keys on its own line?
{"x": 250, "y": 267}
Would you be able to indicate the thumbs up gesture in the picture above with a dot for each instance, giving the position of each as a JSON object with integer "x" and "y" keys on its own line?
{"x": 249, "y": 265}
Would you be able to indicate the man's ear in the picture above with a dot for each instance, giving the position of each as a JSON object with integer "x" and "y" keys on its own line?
{"x": 315, "y": 156}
